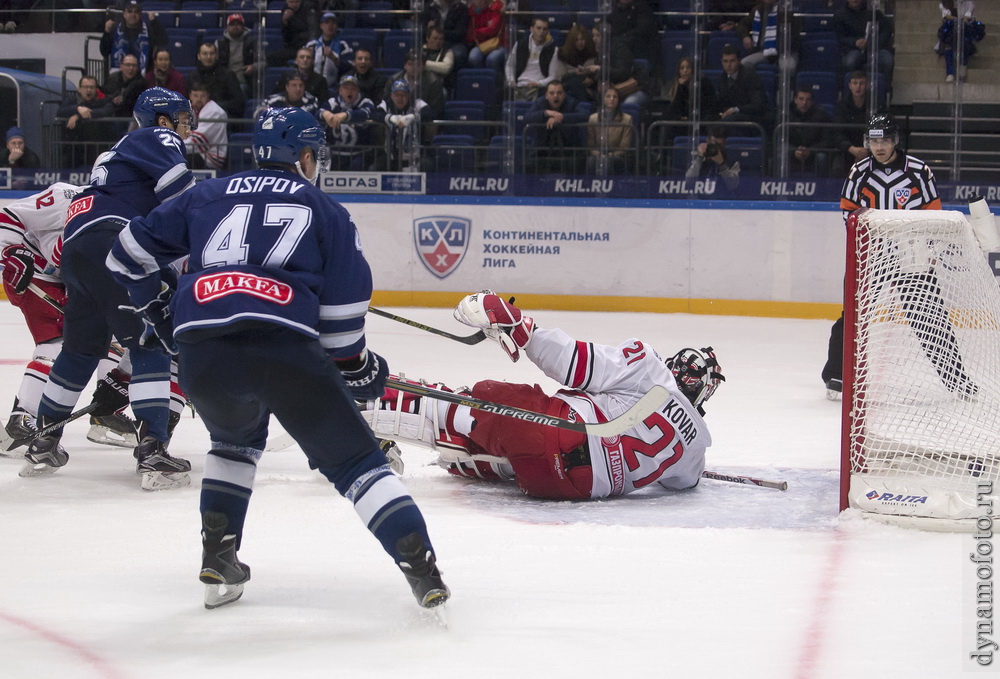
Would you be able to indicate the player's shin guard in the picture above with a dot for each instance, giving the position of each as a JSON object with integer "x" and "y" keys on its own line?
{"x": 149, "y": 390}
{"x": 68, "y": 378}
{"x": 392, "y": 516}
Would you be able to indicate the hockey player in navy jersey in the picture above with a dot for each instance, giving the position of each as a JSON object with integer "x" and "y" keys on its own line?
{"x": 270, "y": 318}
{"x": 144, "y": 169}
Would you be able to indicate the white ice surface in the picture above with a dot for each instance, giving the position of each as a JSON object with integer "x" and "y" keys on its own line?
{"x": 99, "y": 577}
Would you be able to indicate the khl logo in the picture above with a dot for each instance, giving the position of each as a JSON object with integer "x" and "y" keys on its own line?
{"x": 441, "y": 242}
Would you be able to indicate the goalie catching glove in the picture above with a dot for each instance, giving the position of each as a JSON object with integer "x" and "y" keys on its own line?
{"x": 365, "y": 375}
{"x": 501, "y": 321}
{"x": 159, "y": 324}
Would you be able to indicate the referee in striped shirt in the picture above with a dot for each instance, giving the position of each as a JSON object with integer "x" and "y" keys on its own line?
{"x": 890, "y": 180}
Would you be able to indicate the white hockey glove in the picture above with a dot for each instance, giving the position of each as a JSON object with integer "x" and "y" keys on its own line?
{"x": 501, "y": 321}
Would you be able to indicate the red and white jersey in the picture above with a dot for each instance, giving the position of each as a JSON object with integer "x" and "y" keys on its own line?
{"x": 37, "y": 222}
{"x": 668, "y": 447}
{"x": 210, "y": 140}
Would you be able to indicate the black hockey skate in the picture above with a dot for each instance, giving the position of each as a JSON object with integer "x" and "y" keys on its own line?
{"x": 421, "y": 571}
{"x": 44, "y": 456}
{"x": 222, "y": 573}
{"x": 159, "y": 470}
{"x": 834, "y": 389}
{"x": 117, "y": 429}
{"x": 19, "y": 431}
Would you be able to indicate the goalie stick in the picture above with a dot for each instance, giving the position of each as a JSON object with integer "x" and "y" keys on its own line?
{"x": 745, "y": 480}
{"x": 639, "y": 411}
{"x": 474, "y": 338}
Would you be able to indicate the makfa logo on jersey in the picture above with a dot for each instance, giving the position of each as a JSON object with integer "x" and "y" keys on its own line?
{"x": 902, "y": 196}
{"x": 441, "y": 242}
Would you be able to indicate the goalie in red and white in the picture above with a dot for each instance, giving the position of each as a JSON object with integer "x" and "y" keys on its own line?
{"x": 667, "y": 448}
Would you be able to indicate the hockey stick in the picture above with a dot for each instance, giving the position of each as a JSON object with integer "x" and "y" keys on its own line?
{"x": 48, "y": 429}
{"x": 641, "y": 409}
{"x": 474, "y": 338}
{"x": 46, "y": 297}
{"x": 745, "y": 480}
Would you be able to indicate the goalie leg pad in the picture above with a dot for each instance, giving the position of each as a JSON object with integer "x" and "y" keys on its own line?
{"x": 402, "y": 416}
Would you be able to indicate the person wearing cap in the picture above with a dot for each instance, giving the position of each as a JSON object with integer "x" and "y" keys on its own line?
{"x": 16, "y": 155}
{"x": 315, "y": 83}
{"x": 238, "y": 51}
{"x": 332, "y": 56}
{"x": 345, "y": 117}
{"x": 132, "y": 35}
{"x": 401, "y": 114}
{"x": 431, "y": 88}
{"x": 371, "y": 82}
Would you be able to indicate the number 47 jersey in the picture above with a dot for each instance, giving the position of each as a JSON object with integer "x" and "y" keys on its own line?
{"x": 265, "y": 246}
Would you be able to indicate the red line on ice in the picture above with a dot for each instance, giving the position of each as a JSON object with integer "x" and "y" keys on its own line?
{"x": 101, "y": 666}
{"x": 811, "y": 648}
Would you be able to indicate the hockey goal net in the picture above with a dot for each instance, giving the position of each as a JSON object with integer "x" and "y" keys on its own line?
{"x": 921, "y": 432}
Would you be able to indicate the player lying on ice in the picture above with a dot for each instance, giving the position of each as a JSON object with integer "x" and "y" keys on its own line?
{"x": 667, "y": 447}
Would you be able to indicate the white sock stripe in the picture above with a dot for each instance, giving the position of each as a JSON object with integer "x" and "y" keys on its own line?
{"x": 61, "y": 396}
{"x": 381, "y": 493}
{"x": 231, "y": 471}
{"x": 149, "y": 391}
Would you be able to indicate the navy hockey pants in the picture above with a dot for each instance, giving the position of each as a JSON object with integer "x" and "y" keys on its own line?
{"x": 237, "y": 380}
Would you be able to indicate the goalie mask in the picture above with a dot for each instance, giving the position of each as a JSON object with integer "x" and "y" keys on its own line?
{"x": 697, "y": 373}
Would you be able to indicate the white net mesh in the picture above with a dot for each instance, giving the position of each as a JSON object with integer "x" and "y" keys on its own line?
{"x": 925, "y": 415}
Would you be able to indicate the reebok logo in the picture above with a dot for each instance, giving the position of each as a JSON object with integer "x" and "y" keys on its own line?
{"x": 213, "y": 286}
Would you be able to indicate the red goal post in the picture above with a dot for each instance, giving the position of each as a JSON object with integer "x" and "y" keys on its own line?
{"x": 921, "y": 396}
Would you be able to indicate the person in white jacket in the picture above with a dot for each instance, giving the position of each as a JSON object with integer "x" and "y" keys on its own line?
{"x": 667, "y": 448}
{"x": 207, "y": 147}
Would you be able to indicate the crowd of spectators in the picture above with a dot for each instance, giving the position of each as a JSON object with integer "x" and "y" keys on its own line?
{"x": 555, "y": 74}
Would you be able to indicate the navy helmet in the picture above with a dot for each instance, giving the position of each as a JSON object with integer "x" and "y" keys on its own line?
{"x": 280, "y": 134}
{"x": 159, "y": 101}
{"x": 697, "y": 374}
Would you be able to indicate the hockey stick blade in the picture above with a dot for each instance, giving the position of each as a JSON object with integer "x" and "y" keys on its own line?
{"x": 475, "y": 338}
{"x": 745, "y": 480}
{"x": 639, "y": 411}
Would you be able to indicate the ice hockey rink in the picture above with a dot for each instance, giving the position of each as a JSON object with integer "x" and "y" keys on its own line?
{"x": 100, "y": 578}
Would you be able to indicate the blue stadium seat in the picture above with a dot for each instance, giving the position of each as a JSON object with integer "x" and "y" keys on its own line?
{"x": 560, "y": 16}
{"x": 682, "y": 153}
{"x": 673, "y": 46}
{"x": 496, "y": 154}
{"x": 465, "y": 112}
{"x": 395, "y": 45}
{"x": 718, "y": 40}
{"x": 241, "y": 152}
{"x": 205, "y": 15}
{"x": 819, "y": 55}
{"x": 816, "y": 6}
{"x": 375, "y": 14}
{"x": 165, "y": 12}
{"x": 823, "y": 84}
{"x": 769, "y": 79}
{"x": 474, "y": 84}
{"x": 361, "y": 38}
{"x": 749, "y": 151}
{"x": 520, "y": 108}
{"x": 271, "y": 78}
{"x": 453, "y": 153}
{"x": 183, "y": 45}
